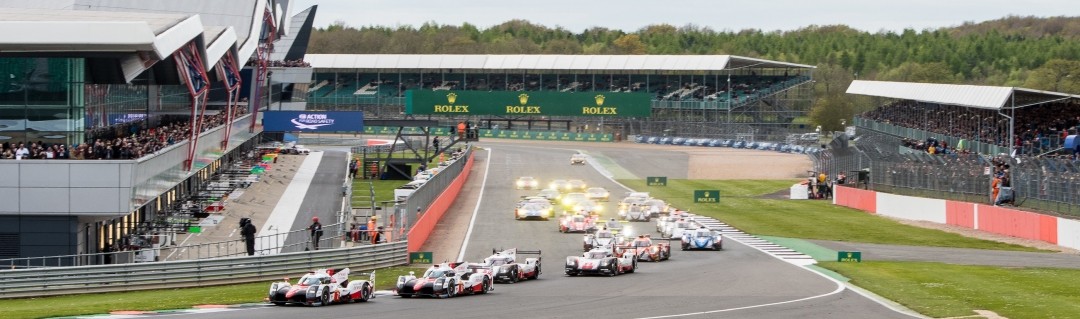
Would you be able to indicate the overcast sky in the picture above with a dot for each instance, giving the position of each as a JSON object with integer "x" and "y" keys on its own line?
{"x": 630, "y": 15}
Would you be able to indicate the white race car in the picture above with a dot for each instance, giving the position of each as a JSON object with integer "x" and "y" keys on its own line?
{"x": 526, "y": 182}
{"x": 655, "y": 207}
{"x": 601, "y": 239}
{"x": 447, "y": 280}
{"x": 597, "y": 194}
{"x": 676, "y": 229}
{"x": 534, "y": 210}
{"x": 600, "y": 262}
{"x": 635, "y": 213}
{"x": 663, "y": 221}
{"x": 577, "y": 159}
{"x": 323, "y": 287}
{"x": 551, "y": 194}
{"x": 702, "y": 238}
{"x": 576, "y": 224}
{"x": 505, "y": 268}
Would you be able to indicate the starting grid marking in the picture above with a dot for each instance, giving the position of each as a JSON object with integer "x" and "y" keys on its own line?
{"x": 781, "y": 252}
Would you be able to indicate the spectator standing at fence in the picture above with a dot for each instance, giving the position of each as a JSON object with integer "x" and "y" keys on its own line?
{"x": 461, "y": 129}
{"x": 370, "y": 228}
{"x": 362, "y": 232}
{"x": 378, "y": 236}
{"x": 21, "y": 152}
{"x": 996, "y": 185}
{"x": 316, "y": 232}
{"x": 247, "y": 229}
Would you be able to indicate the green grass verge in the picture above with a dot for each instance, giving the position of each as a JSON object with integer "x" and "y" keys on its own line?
{"x": 945, "y": 290}
{"x": 384, "y": 191}
{"x": 164, "y": 299}
{"x": 743, "y": 204}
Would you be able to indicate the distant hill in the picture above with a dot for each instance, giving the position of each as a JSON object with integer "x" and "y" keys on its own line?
{"x": 1033, "y": 27}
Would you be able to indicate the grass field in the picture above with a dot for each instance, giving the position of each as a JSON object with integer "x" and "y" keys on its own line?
{"x": 944, "y": 290}
{"x": 384, "y": 191}
{"x": 164, "y": 299}
{"x": 747, "y": 205}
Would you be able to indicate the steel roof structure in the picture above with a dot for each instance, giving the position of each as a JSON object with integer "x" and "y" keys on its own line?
{"x": 975, "y": 96}
{"x": 542, "y": 62}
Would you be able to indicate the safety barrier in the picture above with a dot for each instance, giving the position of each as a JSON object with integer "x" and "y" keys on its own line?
{"x": 194, "y": 273}
{"x": 995, "y": 219}
{"x": 420, "y": 231}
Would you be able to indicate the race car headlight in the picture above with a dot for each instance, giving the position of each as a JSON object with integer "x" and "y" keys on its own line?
{"x": 598, "y": 208}
{"x": 520, "y": 183}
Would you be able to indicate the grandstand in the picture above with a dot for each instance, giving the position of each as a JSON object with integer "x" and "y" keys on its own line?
{"x": 951, "y": 141}
{"x": 702, "y": 96}
{"x": 111, "y": 116}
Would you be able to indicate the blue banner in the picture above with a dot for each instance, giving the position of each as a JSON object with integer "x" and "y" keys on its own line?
{"x": 302, "y": 121}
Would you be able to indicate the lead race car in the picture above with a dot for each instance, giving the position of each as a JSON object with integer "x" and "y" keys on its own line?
{"x": 702, "y": 238}
{"x": 322, "y": 287}
{"x": 534, "y": 208}
{"x": 505, "y": 268}
{"x": 447, "y": 280}
{"x": 600, "y": 261}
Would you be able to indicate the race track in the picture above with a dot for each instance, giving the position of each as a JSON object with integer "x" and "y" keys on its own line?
{"x": 738, "y": 282}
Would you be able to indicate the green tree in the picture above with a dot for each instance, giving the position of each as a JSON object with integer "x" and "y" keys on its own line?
{"x": 1056, "y": 75}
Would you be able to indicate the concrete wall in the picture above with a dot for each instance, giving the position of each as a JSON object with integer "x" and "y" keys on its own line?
{"x": 994, "y": 219}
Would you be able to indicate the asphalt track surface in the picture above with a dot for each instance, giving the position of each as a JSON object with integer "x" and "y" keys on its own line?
{"x": 738, "y": 282}
{"x": 323, "y": 198}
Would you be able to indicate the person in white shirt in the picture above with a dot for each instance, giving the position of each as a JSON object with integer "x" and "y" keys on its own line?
{"x": 21, "y": 152}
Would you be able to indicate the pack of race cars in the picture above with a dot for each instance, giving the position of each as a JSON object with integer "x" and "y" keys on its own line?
{"x": 610, "y": 248}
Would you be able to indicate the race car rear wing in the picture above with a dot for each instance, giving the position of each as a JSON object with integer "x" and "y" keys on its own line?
{"x": 528, "y": 252}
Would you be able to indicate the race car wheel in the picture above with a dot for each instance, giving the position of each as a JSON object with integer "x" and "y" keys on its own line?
{"x": 325, "y": 298}
{"x": 451, "y": 292}
{"x": 513, "y": 276}
{"x": 614, "y": 270}
{"x": 536, "y": 274}
{"x": 365, "y": 293}
{"x": 685, "y": 246}
{"x": 484, "y": 287}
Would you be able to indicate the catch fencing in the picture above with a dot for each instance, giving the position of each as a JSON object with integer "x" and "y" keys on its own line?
{"x": 1038, "y": 182}
{"x": 194, "y": 273}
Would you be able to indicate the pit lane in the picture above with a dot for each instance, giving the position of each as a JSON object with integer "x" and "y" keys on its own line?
{"x": 739, "y": 282}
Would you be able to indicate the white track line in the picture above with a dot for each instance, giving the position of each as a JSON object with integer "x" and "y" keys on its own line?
{"x": 840, "y": 286}
{"x": 479, "y": 198}
{"x": 284, "y": 214}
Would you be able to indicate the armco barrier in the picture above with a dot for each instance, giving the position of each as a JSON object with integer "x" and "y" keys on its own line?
{"x": 194, "y": 273}
{"x": 999, "y": 220}
{"x": 420, "y": 231}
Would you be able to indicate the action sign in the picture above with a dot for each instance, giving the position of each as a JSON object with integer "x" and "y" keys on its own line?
{"x": 517, "y": 103}
{"x": 656, "y": 181}
{"x": 706, "y": 196}
{"x": 303, "y": 121}
{"x": 420, "y": 257}
{"x": 855, "y": 256}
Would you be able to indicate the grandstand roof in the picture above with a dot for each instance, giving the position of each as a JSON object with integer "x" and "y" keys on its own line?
{"x": 977, "y": 96}
{"x": 542, "y": 62}
{"x": 42, "y": 30}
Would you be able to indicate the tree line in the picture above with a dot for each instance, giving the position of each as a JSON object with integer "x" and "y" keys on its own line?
{"x": 1036, "y": 53}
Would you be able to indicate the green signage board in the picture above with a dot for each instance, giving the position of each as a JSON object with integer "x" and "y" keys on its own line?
{"x": 656, "y": 181}
{"x": 518, "y": 103}
{"x": 194, "y": 229}
{"x": 706, "y": 196}
{"x": 489, "y": 133}
{"x": 855, "y": 256}
{"x": 421, "y": 257}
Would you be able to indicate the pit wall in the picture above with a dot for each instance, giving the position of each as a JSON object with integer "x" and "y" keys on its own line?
{"x": 419, "y": 233}
{"x": 999, "y": 220}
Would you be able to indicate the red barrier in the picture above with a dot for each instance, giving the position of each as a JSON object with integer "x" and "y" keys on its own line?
{"x": 960, "y": 213}
{"x": 865, "y": 200}
{"x": 419, "y": 232}
{"x": 1017, "y": 223}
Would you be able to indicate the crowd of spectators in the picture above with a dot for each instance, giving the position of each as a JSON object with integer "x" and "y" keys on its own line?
{"x": 123, "y": 141}
{"x": 298, "y": 63}
{"x": 1039, "y": 128}
{"x": 933, "y": 146}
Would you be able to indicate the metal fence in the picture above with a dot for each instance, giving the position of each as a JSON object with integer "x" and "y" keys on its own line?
{"x": 194, "y": 273}
{"x": 420, "y": 199}
{"x": 1041, "y": 183}
{"x": 264, "y": 245}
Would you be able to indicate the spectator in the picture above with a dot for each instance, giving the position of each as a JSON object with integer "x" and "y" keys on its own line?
{"x": 316, "y": 232}
{"x": 247, "y": 229}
